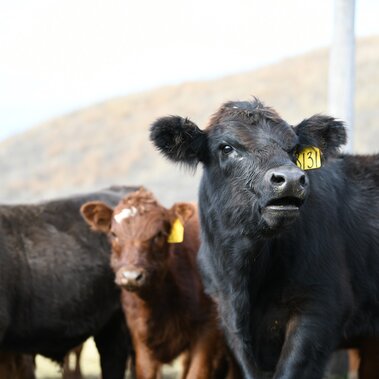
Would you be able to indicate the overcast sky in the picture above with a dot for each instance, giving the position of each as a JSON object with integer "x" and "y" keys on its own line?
{"x": 60, "y": 56}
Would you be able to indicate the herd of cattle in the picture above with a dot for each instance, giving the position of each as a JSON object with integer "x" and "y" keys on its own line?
{"x": 279, "y": 269}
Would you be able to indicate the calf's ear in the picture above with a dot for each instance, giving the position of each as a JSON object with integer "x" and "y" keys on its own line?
{"x": 324, "y": 132}
{"x": 179, "y": 140}
{"x": 97, "y": 215}
{"x": 183, "y": 211}
{"x": 180, "y": 214}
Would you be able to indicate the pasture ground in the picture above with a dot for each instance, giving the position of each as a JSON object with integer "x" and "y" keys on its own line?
{"x": 90, "y": 365}
{"x": 46, "y": 369}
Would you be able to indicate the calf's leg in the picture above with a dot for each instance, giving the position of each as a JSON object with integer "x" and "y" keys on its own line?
{"x": 114, "y": 346}
{"x": 206, "y": 354}
{"x": 307, "y": 348}
{"x": 75, "y": 373}
{"x": 147, "y": 367}
{"x": 16, "y": 366}
{"x": 369, "y": 362}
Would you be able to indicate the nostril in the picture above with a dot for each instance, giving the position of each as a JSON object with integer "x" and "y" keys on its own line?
{"x": 139, "y": 277}
{"x": 277, "y": 179}
{"x": 132, "y": 276}
{"x": 302, "y": 180}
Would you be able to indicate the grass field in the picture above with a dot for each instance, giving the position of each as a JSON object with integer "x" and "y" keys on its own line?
{"x": 90, "y": 365}
{"x": 46, "y": 369}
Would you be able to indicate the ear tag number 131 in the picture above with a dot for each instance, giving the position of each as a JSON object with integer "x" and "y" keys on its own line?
{"x": 309, "y": 158}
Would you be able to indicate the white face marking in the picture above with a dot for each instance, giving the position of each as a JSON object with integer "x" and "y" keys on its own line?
{"x": 125, "y": 213}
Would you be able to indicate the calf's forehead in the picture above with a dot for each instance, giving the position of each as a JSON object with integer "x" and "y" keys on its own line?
{"x": 251, "y": 124}
{"x": 254, "y": 136}
{"x": 142, "y": 224}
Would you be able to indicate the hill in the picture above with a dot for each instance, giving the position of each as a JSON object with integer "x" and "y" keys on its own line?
{"x": 108, "y": 143}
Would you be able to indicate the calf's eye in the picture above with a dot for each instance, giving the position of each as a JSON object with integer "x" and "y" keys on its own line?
{"x": 227, "y": 149}
{"x": 158, "y": 238}
{"x": 113, "y": 237}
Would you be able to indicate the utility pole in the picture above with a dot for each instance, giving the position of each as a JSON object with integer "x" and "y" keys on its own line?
{"x": 342, "y": 67}
{"x": 341, "y": 101}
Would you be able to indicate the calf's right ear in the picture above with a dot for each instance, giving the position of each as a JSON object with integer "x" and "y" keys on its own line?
{"x": 324, "y": 132}
{"x": 183, "y": 211}
{"x": 97, "y": 215}
{"x": 180, "y": 140}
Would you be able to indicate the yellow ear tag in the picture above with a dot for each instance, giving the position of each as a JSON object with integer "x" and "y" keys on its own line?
{"x": 309, "y": 158}
{"x": 177, "y": 232}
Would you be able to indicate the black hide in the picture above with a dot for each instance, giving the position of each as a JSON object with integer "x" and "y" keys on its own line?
{"x": 56, "y": 285}
{"x": 291, "y": 257}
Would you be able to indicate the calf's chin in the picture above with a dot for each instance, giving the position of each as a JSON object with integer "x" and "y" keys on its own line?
{"x": 276, "y": 220}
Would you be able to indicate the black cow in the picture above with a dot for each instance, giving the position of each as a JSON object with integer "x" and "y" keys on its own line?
{"x": 290, "y": 256}
{"x": 56, "y": 285}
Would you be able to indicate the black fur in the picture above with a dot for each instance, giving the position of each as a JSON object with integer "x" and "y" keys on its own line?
{"x": 56, "y": 285}
{"x": 291, "y": 286}
{"x": 179, "y": 139}
{"x": 324, "y": 132}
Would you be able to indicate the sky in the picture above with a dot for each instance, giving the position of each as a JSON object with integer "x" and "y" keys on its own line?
{"x": 59, "y": 56}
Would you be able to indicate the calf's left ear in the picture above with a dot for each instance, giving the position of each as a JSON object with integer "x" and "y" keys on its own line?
{"x": 97, "y": 215}
{"x": 179, "y": 140}
{"x": 324, "y": 132}
{"x": 183, "y": 211}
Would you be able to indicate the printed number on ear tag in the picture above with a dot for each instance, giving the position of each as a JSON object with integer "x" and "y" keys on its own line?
{"x": 309, "y": 158}
{"x": 177, "y": 232}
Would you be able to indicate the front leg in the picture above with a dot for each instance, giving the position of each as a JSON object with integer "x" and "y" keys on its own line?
{"x": 309, "y": 343}
{"x": 240, "y": 349}
{"x": 369, "y": 354}
{"x": 114, "y": 346}
{"x": 236, "y": 326}
{"x": 147, "y": 367}
{"x": 206, "y": 354}
{"x": 233, "y": 310}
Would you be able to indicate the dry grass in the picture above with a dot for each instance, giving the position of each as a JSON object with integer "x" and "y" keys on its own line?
{"x": 90, "y": 365}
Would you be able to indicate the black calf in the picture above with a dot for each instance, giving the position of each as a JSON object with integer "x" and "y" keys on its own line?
{"x": 56, "y": 285}
{"x": 290, "y": 256}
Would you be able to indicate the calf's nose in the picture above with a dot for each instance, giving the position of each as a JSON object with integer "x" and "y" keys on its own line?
{"x": 286, "y": 179}
{"x": 133, "y": 278}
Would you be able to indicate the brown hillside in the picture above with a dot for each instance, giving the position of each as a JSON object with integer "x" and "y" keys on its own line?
{"x": 108, "y": 143}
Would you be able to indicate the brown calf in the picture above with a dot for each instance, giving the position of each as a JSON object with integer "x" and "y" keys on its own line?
{"x": 163, "y": 299}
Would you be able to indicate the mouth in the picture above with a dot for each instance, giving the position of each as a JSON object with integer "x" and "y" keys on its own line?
{"x": 130, "y": 288}
{"x": 284, "y": 204}
{"x": 280, "y": 212}
{"x": 127, "y": 286}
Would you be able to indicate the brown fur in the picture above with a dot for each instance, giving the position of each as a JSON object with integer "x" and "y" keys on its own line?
{"x": 364, "y": 362}
{"x": 73, "y": 372}
{"x": 16, "y": 366}
{"x": 22, "y": 366}
{"x": 169, "y": 314}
